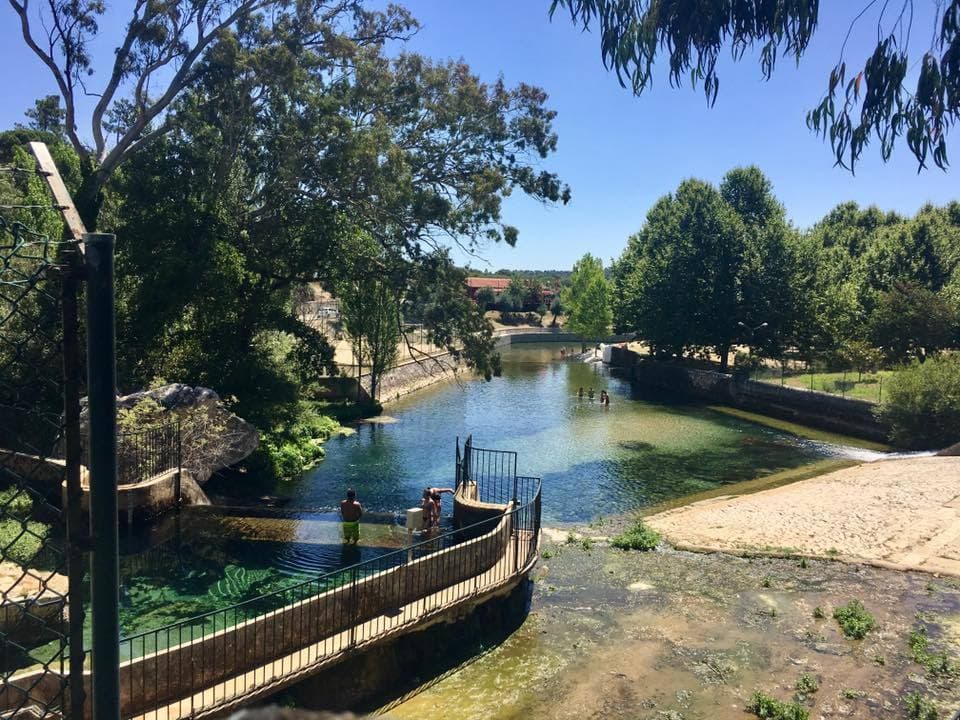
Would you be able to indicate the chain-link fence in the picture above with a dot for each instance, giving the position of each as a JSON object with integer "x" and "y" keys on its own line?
{"x": 38, "y": 326}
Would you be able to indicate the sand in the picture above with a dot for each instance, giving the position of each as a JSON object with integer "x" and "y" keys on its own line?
{"x": 902, "y": 514}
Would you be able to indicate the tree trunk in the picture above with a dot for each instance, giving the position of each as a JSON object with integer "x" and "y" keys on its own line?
{"x": 724, "y": 352}
{"x": 89, "y": 197}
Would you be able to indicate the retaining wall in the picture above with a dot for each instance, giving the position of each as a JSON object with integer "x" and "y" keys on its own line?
{"x": 816, "y": 409}
{"x": 176, "y": 672}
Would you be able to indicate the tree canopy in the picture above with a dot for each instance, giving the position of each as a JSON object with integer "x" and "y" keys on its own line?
{"x": 587, "y": 299}
{"x": 895, "y": 93}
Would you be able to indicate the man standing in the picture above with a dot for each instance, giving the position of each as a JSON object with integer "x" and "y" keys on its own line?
{"x": 351, "y": 511}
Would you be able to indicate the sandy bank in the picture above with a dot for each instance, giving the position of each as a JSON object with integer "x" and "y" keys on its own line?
{"x": 903, "y": 514}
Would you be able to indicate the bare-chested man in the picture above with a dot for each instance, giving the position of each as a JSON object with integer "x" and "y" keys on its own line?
{"x": 351, "y": 511}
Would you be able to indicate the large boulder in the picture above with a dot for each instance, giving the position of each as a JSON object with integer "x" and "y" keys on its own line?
{"x": 212, "y": 437}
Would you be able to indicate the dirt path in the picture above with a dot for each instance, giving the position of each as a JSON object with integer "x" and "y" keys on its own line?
{"x": 903, "y": 514}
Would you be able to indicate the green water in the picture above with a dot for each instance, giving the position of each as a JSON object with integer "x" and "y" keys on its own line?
{"x": 638, "y": 452}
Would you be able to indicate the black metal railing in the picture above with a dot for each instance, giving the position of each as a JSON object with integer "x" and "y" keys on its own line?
{"x": 224, "y": 657}
{"x": 143, "y": 454}
{"x": 495, "y": 471}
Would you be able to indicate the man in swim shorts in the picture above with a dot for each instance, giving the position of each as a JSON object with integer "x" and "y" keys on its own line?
{"x": 351, "y": 511}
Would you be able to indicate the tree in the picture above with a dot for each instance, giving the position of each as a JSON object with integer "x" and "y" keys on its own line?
{"x": 873, "y": 102}
{"x": 160, "y": 57}
{"x": 861, "y": 356}
{"x": 46, "y": 115}
{"x": 911, "y": 321}
{"x": 371, "y": 314}
{"x": 587, "y": 299}
{"x": 556, "y": 309}
{"x": 486, "y": 298}
{"x": 677, "y": 280}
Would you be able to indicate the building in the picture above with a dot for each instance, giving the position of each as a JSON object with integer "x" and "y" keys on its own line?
{"x": 497, "y": 284}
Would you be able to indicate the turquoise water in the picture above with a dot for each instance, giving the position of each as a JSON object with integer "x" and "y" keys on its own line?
{"x": 594, "y": 460}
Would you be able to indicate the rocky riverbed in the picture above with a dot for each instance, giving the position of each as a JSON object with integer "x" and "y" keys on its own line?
{"x": 671, "y": 635}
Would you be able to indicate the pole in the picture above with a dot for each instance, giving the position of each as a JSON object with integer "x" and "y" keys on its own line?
{"x": 102, "y": 393}
{"x": 72, "y": 365}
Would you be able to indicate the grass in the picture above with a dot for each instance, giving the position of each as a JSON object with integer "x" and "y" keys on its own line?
{"x": 769, "y": 708}
{"x": 639, "y": 537}
{"x": 871, "y": 387}
{"x": 21, "y": 539}
{"x": 919, "y": 708}
{"x": 854, "y": 620}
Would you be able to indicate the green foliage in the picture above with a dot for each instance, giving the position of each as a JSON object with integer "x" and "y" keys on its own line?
{"x": 922, "y": 404}
{"x": 872, "y": 100}
{"x": 854, "y": 620}
{"x": 807, "y": 684}
{"x": 21, "y": 538}
{"x": 818, "y": 613}
{"x": 638, "y": 537}
{"x": 708, "y": 263}
{"x": 587, "y": 299}
{"x": 912, "y": 321}
{"x": 486, "y": 298}
{"x": 769, "y": 708}
{"x": 938, "y": 664}
{"x": 919, "y": 708}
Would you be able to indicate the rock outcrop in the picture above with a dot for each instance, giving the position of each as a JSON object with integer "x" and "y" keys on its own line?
{"x": 212, "y": 437}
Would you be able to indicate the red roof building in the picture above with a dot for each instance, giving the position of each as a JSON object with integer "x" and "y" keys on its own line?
{"x": 497, "y": 284}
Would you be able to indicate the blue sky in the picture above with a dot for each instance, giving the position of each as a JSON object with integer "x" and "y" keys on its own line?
{"x": 620, "y": 153}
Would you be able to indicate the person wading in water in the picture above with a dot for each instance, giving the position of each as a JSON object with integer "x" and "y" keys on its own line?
{"x": 351, "y": 511}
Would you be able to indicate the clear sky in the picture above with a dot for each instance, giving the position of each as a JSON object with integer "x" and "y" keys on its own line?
{"x": 620, "y": 153}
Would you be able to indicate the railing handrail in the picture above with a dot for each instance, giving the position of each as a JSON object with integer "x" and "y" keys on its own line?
{"x": 349, "y": 570}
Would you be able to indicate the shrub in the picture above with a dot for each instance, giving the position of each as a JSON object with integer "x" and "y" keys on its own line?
{"x": 919, "y": 708}
{"x": 769, "y": 708}
{"x": 639, "y": 537}
{"x": 922, "y": 405}
{"x": 807, "y": 684}
{"x": 854, "y": 620}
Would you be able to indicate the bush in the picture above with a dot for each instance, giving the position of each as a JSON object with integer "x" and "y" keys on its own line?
{"x": 919, "y": 708}
{"x": 520, "y": 318}
{"x": 769, "y": 708}
{"x": 639, "y": 537}
{"x": 922, "y": 405}
{"x": 854, "y": 620}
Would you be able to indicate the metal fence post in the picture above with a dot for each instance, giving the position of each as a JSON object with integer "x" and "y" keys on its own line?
{"x": 177, "y": 489}
{"x": 102, "y": 393}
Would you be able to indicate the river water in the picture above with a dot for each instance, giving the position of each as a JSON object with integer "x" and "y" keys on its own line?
{"x": 594, "y": 460}
{"x": 638, "y": 453}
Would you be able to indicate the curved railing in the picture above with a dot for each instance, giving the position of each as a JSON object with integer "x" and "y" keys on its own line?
{"x": 220, "y": 659}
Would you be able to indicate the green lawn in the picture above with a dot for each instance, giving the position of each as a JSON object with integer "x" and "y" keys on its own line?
{"x": 870, "y": 387}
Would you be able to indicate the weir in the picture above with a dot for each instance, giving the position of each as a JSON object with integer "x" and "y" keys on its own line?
{"x": 212, "y": 663}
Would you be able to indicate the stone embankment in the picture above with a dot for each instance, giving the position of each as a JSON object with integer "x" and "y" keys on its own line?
{"x": 846, "y": 416}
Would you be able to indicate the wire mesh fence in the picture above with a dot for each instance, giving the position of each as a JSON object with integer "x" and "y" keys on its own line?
{"x": 35, "y": 558}
{"x": 825, "y": 377}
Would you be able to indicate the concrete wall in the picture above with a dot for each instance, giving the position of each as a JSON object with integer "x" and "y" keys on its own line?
{"x": 816, "y": 409}
{"x": 192, "y": 666}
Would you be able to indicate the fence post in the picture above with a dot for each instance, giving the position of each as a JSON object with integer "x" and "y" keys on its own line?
{"x": 72, "y": 365}
{"x": 102, "y": 390}
{"x": 177, "y": 488}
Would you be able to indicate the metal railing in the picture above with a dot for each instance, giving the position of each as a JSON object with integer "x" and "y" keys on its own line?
{"x": 495, "y": 471}
{"x": 144, "y": 454}
{"x": 226, "y": 657}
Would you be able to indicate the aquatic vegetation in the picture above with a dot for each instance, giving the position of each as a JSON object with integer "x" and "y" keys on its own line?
{"x": 807, "y": 684}
{"x": 936, "y": 663}
{"x": 639, "y": 537}
{"x": 769, "y": 708}
{"x": 587, "y": 544}
{"x": 854, "y": 620}
{"x": 919, "y": 708}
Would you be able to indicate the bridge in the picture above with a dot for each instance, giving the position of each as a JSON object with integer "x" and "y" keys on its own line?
{"x": 214, "y": 663}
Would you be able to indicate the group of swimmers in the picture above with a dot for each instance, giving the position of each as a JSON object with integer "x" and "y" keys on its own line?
{"x": 604, "y": 396}
{"x": 351, "y": 511}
